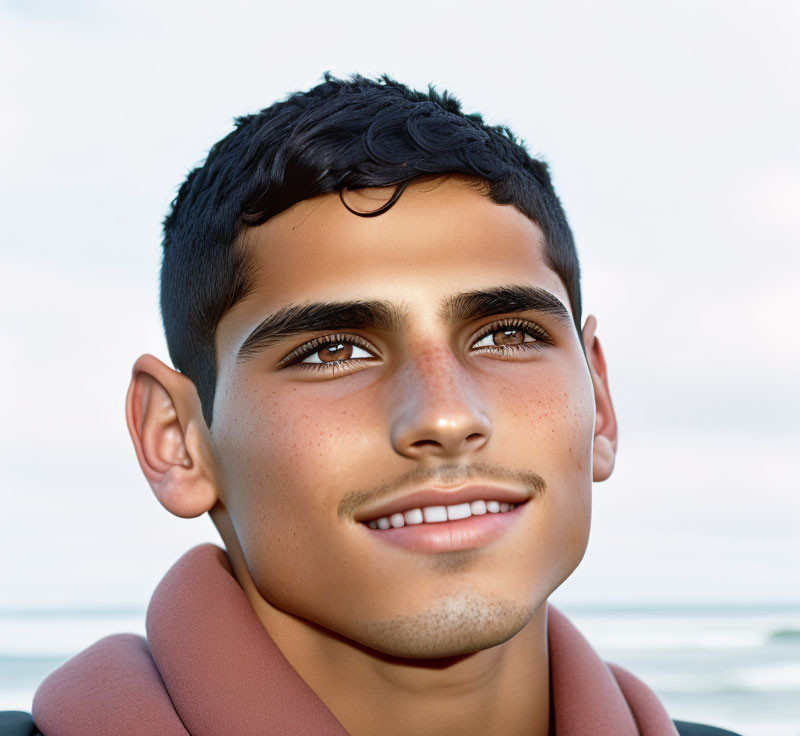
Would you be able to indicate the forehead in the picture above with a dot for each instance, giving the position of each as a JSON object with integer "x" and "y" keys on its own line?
{"x": 440, "y": 238}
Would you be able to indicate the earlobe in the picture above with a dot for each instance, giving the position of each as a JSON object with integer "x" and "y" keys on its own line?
{"x": 170, "y": 437}
{"x": 605, "y": 431}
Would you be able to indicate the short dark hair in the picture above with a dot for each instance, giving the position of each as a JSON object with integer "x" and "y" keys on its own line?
{"x": 341, "y": 134}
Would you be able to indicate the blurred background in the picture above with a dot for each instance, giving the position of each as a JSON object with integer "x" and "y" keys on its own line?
{"x": 671, "y": 132}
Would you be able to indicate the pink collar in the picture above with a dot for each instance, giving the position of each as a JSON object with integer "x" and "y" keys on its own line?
{"x": 194, "y": 675}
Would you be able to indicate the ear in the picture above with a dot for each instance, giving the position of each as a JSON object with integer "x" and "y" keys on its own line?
{"x": 171, "y": 439}
{"x": 605, "y": 428}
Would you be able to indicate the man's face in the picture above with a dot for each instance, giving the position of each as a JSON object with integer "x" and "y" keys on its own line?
{"x": 474, "y": 400}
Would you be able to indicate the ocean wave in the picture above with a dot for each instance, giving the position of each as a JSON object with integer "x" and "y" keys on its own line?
{"x": 653, "y": 633}
{"x": 790, "y": 636}
{"x": 774, "y": 679}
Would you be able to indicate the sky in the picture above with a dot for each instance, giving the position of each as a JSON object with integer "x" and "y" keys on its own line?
{"x": 671, "y": 133}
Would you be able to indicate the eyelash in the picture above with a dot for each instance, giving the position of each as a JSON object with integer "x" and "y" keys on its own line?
{"x": 542, "y": 338}
{"x": 295, "y": 358}
{"x": 313, "y": 346}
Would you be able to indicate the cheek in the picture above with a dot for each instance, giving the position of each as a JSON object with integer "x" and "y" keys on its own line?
{"x": 279, "y": 434}
{"x": 547, "y": 422}
{"x": 284, "y": 459}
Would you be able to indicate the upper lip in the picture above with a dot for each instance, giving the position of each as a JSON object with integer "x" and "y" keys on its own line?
{"x": 442, "y": 497}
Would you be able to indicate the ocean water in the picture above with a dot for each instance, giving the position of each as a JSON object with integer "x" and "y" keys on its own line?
{"x": 737, "y": 668}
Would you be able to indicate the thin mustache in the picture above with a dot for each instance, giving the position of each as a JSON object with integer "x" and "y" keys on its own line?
{"x": 441, "y": 475}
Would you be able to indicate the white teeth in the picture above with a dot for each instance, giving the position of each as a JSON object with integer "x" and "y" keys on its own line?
{"x": 414, "y": 516}
{"x": 478, "y": 508}
{"x": 437, "y": 514}
{"x": 433, "y": 514}
{"x": 458, "y": 511}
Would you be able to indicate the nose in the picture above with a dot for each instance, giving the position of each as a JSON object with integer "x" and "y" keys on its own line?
{"x": 439, "y": 412}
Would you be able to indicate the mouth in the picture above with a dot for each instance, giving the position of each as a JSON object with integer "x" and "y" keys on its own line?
{"x": 440, "y": 514}
{"x": 437, "y": 520}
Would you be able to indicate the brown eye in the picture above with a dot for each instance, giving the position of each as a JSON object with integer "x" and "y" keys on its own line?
{"x": 508, "y": 337}
{"x": 334, "y": 352}
{"x": 337, "y": 351}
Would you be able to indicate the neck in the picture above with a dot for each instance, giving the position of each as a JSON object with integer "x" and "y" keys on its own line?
{"x": 505, "y": 689}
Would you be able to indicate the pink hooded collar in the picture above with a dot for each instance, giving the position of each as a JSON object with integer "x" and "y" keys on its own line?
{"x": 208, "y": 667}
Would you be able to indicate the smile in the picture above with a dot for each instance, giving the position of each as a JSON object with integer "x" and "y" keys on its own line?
{"x": 446, "y": 528}
{"x": 439, "y": 514}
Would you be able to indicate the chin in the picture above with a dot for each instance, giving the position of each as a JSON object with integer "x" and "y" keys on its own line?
{"x": 458, "y": 625}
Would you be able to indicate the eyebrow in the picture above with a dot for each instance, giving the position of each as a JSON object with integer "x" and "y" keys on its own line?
{"x": 516, "y": 298}
{"x": 296, "y": 319}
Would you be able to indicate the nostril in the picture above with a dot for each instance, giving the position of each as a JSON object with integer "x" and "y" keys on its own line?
{"x": 474, "y": 436}
{"x": 426, "y": 443}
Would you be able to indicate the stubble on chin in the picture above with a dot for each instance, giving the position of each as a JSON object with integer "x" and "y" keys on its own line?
{"x": 455, "y": 626}
{"x": 451, "y": 563}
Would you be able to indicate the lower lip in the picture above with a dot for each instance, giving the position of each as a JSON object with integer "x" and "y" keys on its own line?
{"x": 450, "y": 536}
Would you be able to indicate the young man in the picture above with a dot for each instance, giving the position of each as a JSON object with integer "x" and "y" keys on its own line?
{"x": 388, "y": 402}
